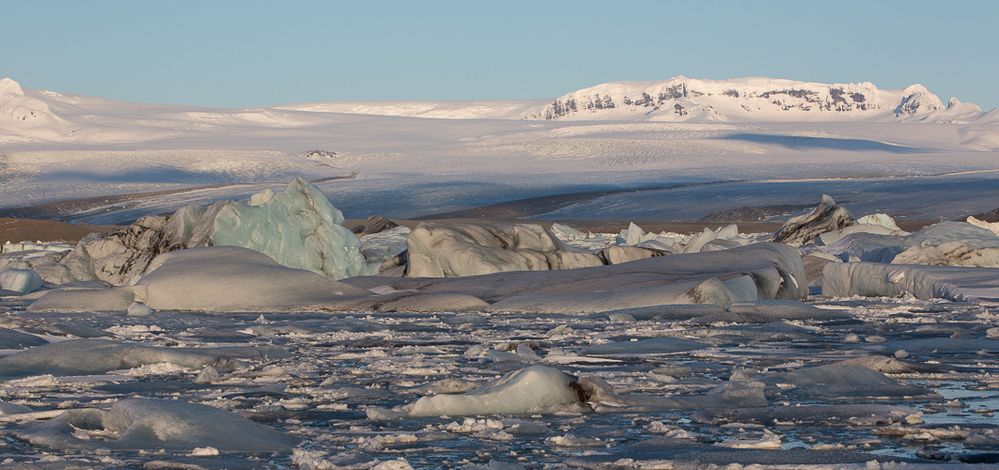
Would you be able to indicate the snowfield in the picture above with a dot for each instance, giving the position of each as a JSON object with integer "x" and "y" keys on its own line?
{"x": 56, "y": 147}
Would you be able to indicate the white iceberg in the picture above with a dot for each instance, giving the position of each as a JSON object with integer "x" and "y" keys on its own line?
{"x": 462, "y": 249}
{"x": 535, "y": 389}
{"x": 924, "y": 282}
{"x": 156, "y": 424}
{"x": 218, "y": 279}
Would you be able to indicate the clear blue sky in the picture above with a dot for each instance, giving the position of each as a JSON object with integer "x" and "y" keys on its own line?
{"x": 246, "y": 53}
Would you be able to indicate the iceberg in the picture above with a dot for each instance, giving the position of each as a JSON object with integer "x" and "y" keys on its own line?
{"x": 826, "y": 217}
{"x": 456, "y": 250}
{"x": 924, "y": 282}
{"x": 98, "y": 356}
{"x": 297, "y": 227}
{"x": 218, "y": 279}
{"x": 135, "y": 424}
{"x": 21, "y": 281}
{"x": 760, "y": 271}
{"x": 535, "y": 389}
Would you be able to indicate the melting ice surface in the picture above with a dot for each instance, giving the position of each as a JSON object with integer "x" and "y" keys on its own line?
{"x": 866, "y": 380}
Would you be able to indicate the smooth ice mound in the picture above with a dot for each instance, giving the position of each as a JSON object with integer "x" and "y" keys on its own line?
{"x": 219, "y": 279}
{"x": 953, "y": 283}
{"x": 156, "y": 424}
{"x": 755, "y": 272}
{"x": 535, "y": 389}
{"x": 98, "y": 356}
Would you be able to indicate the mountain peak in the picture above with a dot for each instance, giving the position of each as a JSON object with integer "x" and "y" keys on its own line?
{"x": 10, "y": 87}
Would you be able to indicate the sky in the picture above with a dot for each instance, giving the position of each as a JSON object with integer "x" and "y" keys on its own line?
{"x": 255, "y": 53}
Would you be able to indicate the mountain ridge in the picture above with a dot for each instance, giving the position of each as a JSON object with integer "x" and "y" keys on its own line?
{"x": 684, "y": 99}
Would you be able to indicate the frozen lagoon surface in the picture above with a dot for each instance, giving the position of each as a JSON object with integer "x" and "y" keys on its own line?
{"x": 936, "y": 400}
{"x": 866, "y": 380}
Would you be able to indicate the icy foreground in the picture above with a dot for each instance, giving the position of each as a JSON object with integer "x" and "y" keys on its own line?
{"x": 509, "y": 344}
{"x": 871, "y": 380}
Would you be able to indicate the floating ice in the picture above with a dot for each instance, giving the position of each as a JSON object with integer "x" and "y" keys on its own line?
{"x": 297, "y": 227}
{"x": 218, "y": 279}
{"x": 455, "y": 250}
{"x": 924, "y": 282}
{"x": 826, "y": 217}
{"x": 535, "y": 389}
{"x": 754, "y": 272}
{"x": 97, "y": 356}
{"x": 156, "y": 424}
{"x": 21, "y": 281}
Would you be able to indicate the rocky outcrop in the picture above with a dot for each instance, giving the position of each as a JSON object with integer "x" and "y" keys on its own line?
{"x": 455, "y": 250}
{"x": 801, "y": 230}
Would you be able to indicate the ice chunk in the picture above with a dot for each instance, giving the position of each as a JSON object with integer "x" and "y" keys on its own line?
{"x": 297, "y": 227}
{"x": 826, "y": 217}
{"x": 924, "y": 282}
{"x": 840, "y": 381}
{"x": 884, "y": 220}
{"x": 233, "y": 279}
{"x": 12, "y": 339}
{"x": 567, "y": 233}
{"x": 763, "y": 270}
{"x": 21, "y": 281}
{"x": 952, "y": 244}
{"x": 156, "y": 424}
{"x": 990, "y": 226}
{"x": 709, "y": 291}
{"x": 382, "y": 246}
{"x": 84, "y": 300}
{"x": 97, "y": 356}
{"x": 663, "y": 345}
{"x": 535, "y": 389}
{"x": 624, "y": 254}
{"x": 455, "y": 250}
{"x": 219, "y": 279}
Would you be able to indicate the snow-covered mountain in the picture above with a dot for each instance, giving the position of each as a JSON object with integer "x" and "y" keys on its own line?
{"x": 33, "y": 117}
{"x": 26, "y": 112}
{"x": 752, "y": 99}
